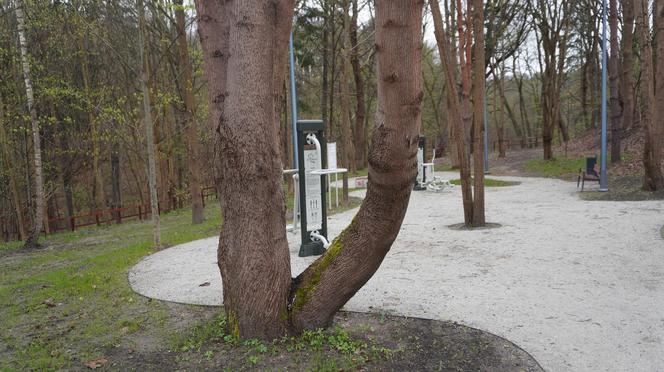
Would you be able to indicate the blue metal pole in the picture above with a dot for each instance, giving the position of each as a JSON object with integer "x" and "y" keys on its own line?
{"x": 603, "y": 184}
{"x": 293, "y": 90}
{"x": 486, "y": 135}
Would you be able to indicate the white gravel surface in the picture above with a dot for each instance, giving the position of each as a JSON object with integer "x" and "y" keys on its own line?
{"x": 578, "y": 284}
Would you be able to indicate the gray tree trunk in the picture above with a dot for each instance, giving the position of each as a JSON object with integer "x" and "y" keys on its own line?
{"x": 38, "y": 214}
{"x": 149, "y": 130}
{"x": 193, "y": 156}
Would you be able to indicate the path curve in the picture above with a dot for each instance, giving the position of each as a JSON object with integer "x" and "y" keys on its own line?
{"x": 579, "y": 284}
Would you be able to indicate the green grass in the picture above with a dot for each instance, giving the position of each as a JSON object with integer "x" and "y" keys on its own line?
{"x": 556, "y": 167}
{"x": 70, "y": 301}
{"x": 490, "y": 182}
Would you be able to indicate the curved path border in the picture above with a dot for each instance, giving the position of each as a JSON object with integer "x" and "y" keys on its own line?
{"x": 578, "y": 284}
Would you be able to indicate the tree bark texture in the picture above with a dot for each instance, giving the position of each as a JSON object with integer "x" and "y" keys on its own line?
{"x": 553, "y": 24}
{"x": 657, "y": 150}
{"x": 213, "y": 27}
{"x": 479, "y": 92}
{"x": 149, "y": 130}
{"x": 355, "y": 255}
{"x": 40, "y": 198}
{"x": 245, "y": 46}
{"x": 11, "y": 174}
{"x": 616, "y": 114}
{"x": 454, "y": 112}
{"x": 360, "y": 110}
{"x": 628, "y": 64}
{"x": 193, "y": 154}
{"x": 653, "y": 178}
{"x": 348, "y": 158}
{"x": 260, "y": 298}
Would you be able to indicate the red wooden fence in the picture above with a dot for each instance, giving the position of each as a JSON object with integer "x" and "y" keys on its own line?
{"x": 113, "y": 215}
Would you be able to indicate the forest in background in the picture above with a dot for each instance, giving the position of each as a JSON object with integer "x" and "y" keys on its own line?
{"x": 91, "y": 63}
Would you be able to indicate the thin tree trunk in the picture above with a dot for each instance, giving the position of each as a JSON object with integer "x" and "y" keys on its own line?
{"x": 500, "y": 117}
{"x": 360, "y": 110}
{"x": 149, "y": 131}
{"x": 40, "y": 202}
{"x": 116, "y": 181}
{"x": 518, "y": 130}
{"x": 348, "y": 148}
{"x": 98, "y": 195}
{"x": 628, "y": 64}
{"x": 658, "y": 118}
{"x": 213, "y": 29}
{"x": 193, "y": 162}
{"x": 616, "y": 130}
{"x": 450, "y": 21}
{"x": 454, "y": 113}
{"x": 325, "y": 85}
{"x": 11, "y": 174}
{"x": 479, "y": 91}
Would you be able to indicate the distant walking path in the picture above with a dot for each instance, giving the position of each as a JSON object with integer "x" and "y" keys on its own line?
{"x": 578, "y": 284}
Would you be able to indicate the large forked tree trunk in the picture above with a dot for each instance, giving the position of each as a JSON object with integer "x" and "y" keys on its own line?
{"x": 652, "y": 161}
{"x": 244, "y": 45}
{"x": 454, "y": 112}
{"x": 616, "y": 130}
{"x": 40, "y": 199}
{"x": 193, "y": 155}
{"x": 479, "y": 90}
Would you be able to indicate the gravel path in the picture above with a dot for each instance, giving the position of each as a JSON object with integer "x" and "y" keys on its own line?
{"x": 579, "y": 285}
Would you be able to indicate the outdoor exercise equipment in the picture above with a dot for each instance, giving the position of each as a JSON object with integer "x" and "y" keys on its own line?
{"x": 422, "y": 167}
{"x": 312, "y": 177}
{"x": 309, "y": 179}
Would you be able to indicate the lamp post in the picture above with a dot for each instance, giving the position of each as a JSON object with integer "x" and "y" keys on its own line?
{"x": 293, "y": 90}
{"x": 603, "y": 181}
{"x": 486, "y": 135}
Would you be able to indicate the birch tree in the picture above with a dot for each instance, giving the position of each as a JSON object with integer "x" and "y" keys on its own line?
{"x": 40, "y": 199}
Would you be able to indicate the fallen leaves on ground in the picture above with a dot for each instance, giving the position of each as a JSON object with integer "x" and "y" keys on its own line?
{"x": 97, "y": 363}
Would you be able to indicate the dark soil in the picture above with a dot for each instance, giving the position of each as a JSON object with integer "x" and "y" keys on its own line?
{"x": 395, "y": 344}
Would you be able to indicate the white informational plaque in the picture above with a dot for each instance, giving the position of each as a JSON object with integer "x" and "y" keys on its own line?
{"x": 312, "y": 162}
{"x": 332, "y": 155}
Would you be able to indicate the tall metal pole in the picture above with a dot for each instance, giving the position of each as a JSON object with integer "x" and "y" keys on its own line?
{"x": 486, "y": 135}
{"x": 603, "y": 181}
{"x": 293, "y": 90}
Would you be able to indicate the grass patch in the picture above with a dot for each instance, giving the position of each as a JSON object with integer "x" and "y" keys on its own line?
{"x": 67, "y": 303}
{"x": 333, "y": 349}
{"x": 556, "y": 167}
{"x": 70, "y": 302}
{"x": 489, "y": 182}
